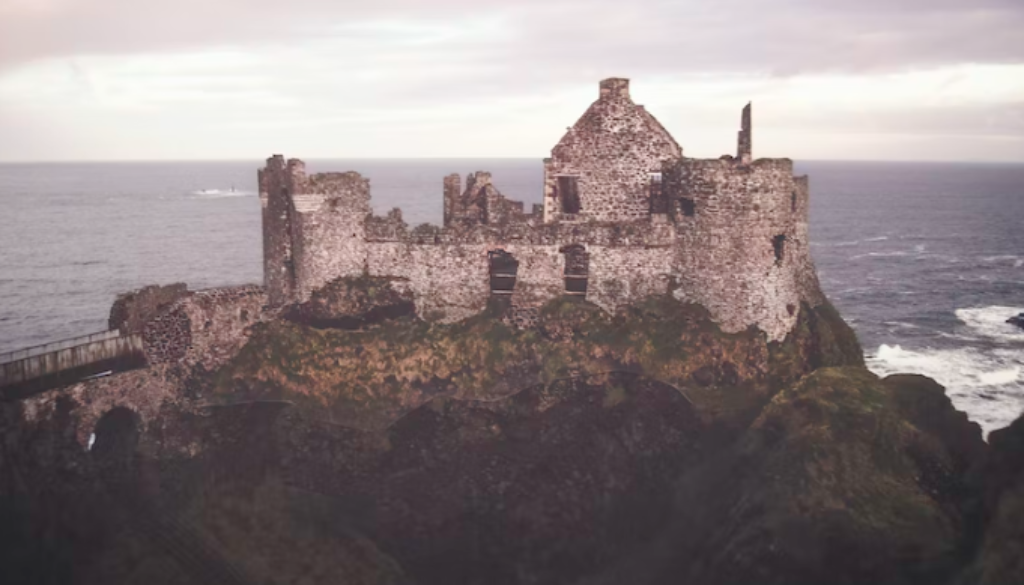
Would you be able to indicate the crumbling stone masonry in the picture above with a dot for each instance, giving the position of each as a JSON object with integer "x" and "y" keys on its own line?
{"x": 625, "y": 215}
{"x": 204, "y": 327}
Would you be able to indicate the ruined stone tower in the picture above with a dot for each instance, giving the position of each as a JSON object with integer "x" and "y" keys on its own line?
{"x": 625, "y": 215}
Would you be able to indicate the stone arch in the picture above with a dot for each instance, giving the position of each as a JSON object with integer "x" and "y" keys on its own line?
{"x": 577, "y": 269}
{"x": 116, "y": 436}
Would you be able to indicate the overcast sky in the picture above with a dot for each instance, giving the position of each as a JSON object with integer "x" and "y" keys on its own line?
{"x": 238, "y": 79}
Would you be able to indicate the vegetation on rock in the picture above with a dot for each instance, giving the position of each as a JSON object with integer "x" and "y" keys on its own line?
{"x": 645, "y": 447}
{"x": 369, "y": 378}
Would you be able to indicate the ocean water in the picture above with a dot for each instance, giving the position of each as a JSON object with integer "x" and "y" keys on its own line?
{"x": 925, "y": 260}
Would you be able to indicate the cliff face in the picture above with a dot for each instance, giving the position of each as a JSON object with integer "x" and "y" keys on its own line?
{"x": 346, "y": 443}
{"x": 1000, "y": 480}
{"x": 367, "y": 378}
{"x": 834, "y": 482}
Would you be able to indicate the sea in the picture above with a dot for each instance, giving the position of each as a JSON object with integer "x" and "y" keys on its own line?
{"x": 924, "y": 260}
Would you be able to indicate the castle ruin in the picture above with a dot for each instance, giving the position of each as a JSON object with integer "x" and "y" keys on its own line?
{"x": 624, "y": 215}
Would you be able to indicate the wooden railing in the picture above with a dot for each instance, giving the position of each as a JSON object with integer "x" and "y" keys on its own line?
{"x": 68, "y": 360}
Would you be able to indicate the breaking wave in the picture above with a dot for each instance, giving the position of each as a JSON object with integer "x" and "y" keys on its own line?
{"x": 986, "y": 381}
{"x": 988, "y": 386}
{"x": 879, "y": 255}
{"x": 219, "y": 193}
{"x": 990, "y": 322}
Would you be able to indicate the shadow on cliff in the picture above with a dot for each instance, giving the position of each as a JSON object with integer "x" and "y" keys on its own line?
{"x": 644, "y": 447}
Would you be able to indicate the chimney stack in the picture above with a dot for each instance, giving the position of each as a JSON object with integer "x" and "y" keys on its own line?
{"x": 744, "y": 143}
{"x": 615, "y": 87}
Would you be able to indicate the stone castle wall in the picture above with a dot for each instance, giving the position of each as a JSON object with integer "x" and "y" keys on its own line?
{"x": 612, "y": 151}
{"x": 723, "y": 256}
{"x": 205, "y": 327}
{"x": 131, "y": 311}
{"x": 729, "y": 233}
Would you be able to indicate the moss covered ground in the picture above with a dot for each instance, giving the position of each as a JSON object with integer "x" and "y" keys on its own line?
{"x": 368, "y": 378}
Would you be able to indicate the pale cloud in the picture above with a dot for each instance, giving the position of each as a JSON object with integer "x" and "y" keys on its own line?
{"x": 243, "y": 78}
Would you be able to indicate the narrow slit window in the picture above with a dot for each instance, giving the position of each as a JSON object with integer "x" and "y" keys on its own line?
{"x": 568, "y": 193}
{"x": 659, "y": 202}
{"x": 792, "y": 202}
{"x": 779, "y": 244}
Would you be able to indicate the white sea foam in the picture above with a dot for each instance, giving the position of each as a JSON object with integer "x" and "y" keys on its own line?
{"x": 878, "y": 239}
{"x": 991, "y": 322}
{"x": 218, "y": 193}
{"x": 902, "y": 324}
{"x": 987, "y": 385}
{"x": 1000, "y": 377}
{"x": 1001, "y": 258}
{"x": 879, "y": 255}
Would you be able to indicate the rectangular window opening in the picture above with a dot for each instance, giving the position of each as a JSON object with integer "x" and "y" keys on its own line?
{"x": 687, "y": 206}
{"x": 568, "y": 193}
{"x": 503, "y": 270}
{"x": 577, "y": 269}
{"x": 657, "y": 195}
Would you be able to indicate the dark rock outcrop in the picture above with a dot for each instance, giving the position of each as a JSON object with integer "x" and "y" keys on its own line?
{"x": 544, "y": 486}
{"x": 831, "y": 484}
{"x": 645, "y": 447}
{"x": 1017, "y": 320}
{"x": 1000, "y": 479}
{"x": 107, "y": 517}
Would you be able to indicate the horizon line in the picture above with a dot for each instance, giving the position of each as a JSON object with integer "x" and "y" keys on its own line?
{"x": 446, "y": 158}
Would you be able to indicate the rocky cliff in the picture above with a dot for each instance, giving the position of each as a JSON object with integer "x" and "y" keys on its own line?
{"x": 348, "y": 442}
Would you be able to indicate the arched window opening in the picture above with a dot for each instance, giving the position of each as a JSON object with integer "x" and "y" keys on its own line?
{"x": 779, "y": 244}
{"x": 503, "y": 271}
{"x": 577, "y": 269}
{"x": 116, "y": 436}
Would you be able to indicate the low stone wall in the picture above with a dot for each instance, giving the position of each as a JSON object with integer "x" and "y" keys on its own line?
{"x": 131, "y": 311}
{"x": 204, "y": 327}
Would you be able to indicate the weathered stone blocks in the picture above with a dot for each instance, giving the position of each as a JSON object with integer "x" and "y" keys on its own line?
{"x": 728, "y": 233}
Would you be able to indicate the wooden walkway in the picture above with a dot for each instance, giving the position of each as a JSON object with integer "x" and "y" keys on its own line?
{"x": 34, "y": 369}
